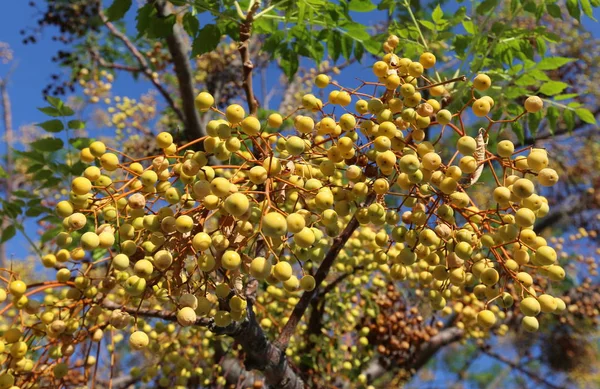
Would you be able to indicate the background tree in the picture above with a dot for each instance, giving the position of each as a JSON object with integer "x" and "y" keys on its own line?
{"x": 370, "y": 312}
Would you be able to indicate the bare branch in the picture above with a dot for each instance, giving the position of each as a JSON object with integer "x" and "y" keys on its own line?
{"x": 300, "y": 308}
{"x": 517, "y": 366}
{"x": 144, "y": 66}
{"x": 183, "y": 71}
{"x": 8, "y": 131}
{"x": 247, "y": 65}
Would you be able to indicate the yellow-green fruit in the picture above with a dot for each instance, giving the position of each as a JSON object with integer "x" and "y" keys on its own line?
{"x": 547, "y": 177}
{"x": 18, "y": 350}
{"x": 482, "y": 82}
{"x": 505, "y": 148}
{"x": 274, "y": 225}
{"x": 307, "y": 283}
{"x": 109, "y": 161}
{"x": 530, "y": 324}
{"x": 548, "y": 303}
{"x": 164, "y": 140}
{"x": 533, "y": 104}
{"x": 466, "y": 145}
{"x": 545, "y": 255}
{"x": 489, "y": 276}
{"x": 322, "y": 80}
{"x": 120, "y": 261}
{"x": 486, "y": 318}
{"x": 282, "y": 271}
{"x": 524, "y": 217}
{"x": 97, "y": 148}
{"x": 427, "y": 60}
{"x": 163, "y": 259}
{"x": 89, "y": 241}
{"x": 64, "y": 208}
{"x": 275, "y": 120}
{"x": 17, "y": 288}
{"x": 138, "y": 340}
{"x": 295, "y": 145}
{"x": 481, "y": 107}
{"x": 304, "y": 238}
{"x": 251, "y": 126}
{"x": 201, "y": 241}
{"x": 260, "y": 268}
{"x": 523, "y": 188}
{"x": 81, "y": 186}
{"x": 530, "y": 306}
{"x": 186, "y": 316}
{"x": 204, "y": 101}
{"x": 222, "y": 318}
{"x": 236, "y": 204}
{"x": 231, "y": 260}
{"x": 235, "y": 113}
{"x": 7, "y": 381}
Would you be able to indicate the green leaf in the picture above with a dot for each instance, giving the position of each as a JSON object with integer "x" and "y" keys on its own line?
{"x": 469, "y": 27}
{"x": 566, "y": 96}
{"x": 50, "y": 111}
{"x": 289, "y": 63}
{"x": 8, "y": 233}
{"x": 552, "y": 63}
{"x": 586, "y": 6}
{"x": 76, "y": 124}
{"x": 3, "y": 173}
{"x": 486, "y": 6}
{"x": 373, "y": 47}
{"x": 437, "y": 15}
{"x": 347, "y": 43}
{"x": 554, "y": 11}
{"x": 161, "y": 27}
{"x": 552, "y": 116}
{"x": 552, "y": 88}
{"x": 517, "y": 128}
{"x": 207, "y": 40}
{"x": 427, "y": 24}
{"x": 190, "y": 24}
{"x": 533, "y": 122}
{"x": 573, "y": 8}
{"x": 585, "y": 115}
{"x": 47, "y": 144}
{"x": 361, "y": 5}
{"x": 569, "y": 119}
{"x": 334, "y": 44}
{"x": 359, "y": 51}
{"x": 144, "y": 16}
{"x": 55, "y": 102}
{"x": 66, "y": 111}
{"x": 118, "y": 9}
{"x": 54, "y": 125}
{"x": 357, "y": 31}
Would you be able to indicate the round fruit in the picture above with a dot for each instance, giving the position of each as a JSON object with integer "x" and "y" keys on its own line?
{"x": 322, "y": 80}
{"x": 81, "y": 186}
{"x": 482, "y": 82}
{"x": 186, "y": 316}
{"x": 204, "y": 101}
{"x": 530, "y": 306}
{"x": 260, "y": 268}
{"x": 533, "y": 104}
{"x": 164, "y": 140}
{"x": 236, "y": 204}
{"x": 251, "y": 126}
{"x": 486, "y": 318}
{"x": 530, "y": 324}
{"x": 231, "y": 260}
{"x": 282, "y": 271}
{"x": 17, "y": 288}
{"x": 235, "y": 113}
{"x": 139, "y": 340}
{"x": 481, "y": 107}
{"x": 505, "y": 148}
{"x": 274, "y": 225}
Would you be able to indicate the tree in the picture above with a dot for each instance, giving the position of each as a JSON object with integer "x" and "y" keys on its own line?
{"x": 340, "y": 240}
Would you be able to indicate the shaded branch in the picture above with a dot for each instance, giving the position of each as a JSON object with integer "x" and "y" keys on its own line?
{"x": 183, "y": 71}
{"x": 247, "y": 65}
{"x": 517, "y": 366}
{"x": 144, "y": 66}
{"x": 322, "y": 272}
